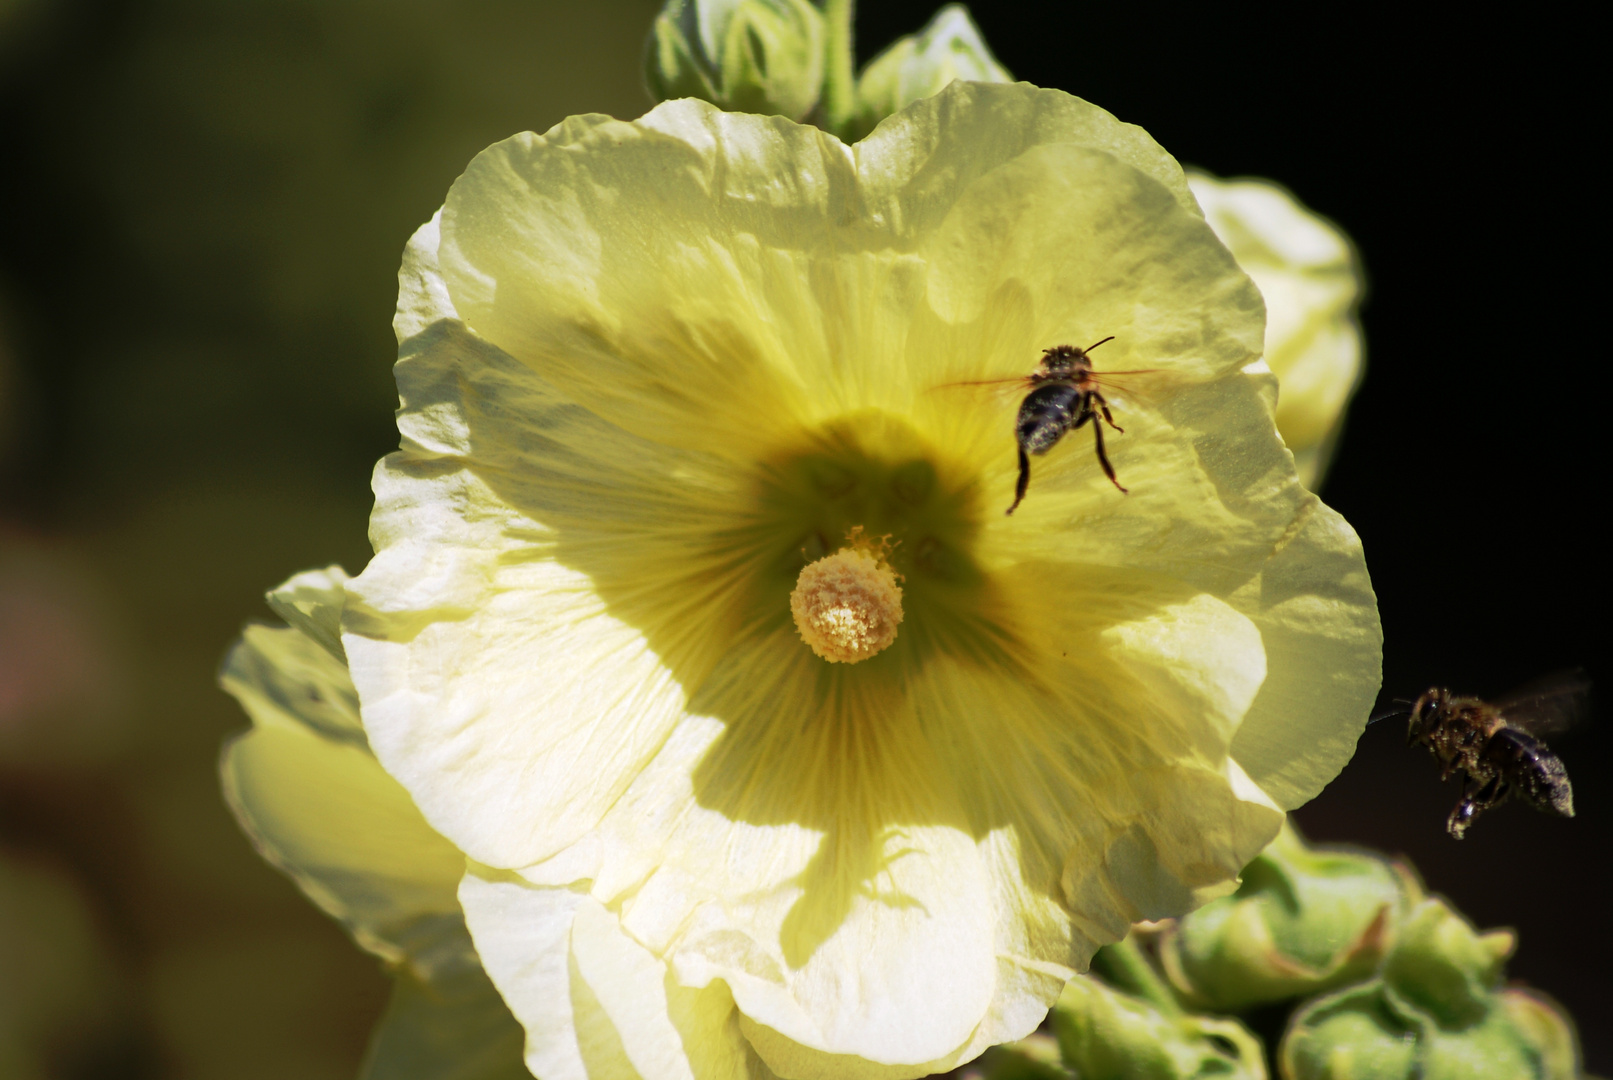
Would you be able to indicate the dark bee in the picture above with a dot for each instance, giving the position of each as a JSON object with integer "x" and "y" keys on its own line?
{"x": 1495, "y": 748}
{"x": 1064, "y": 395}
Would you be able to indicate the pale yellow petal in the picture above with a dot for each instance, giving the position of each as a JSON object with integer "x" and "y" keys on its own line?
{"x": 764, "y": 918}
{"x": 422, "y": 294}
{"x": 937, "y": 147}
{"x": 730, "y": 289}
{"x": 319, "y": 806}
{"x": 1248, "y": 534}
{"x": 514, "y": 742}
{"x": 596, "y": 1004}
{"x": 1106, "y": 755}
{"x": 524, "y": 938}
{"x": 738, "y": 864}
{"x": 1066, "y": 244}
{"x": 1317, "y": 615}
{"x": 284, "y": 678}
{"x": 880, "y": 949}
{"x": 827, "y": 939}
{"x": 312, "y": 602}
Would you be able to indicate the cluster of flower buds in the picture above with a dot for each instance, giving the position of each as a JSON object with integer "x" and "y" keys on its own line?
{"x": 1380, "y": 981}
{"x": 1434, "y": 1008}
{"x": 774, "y": 56}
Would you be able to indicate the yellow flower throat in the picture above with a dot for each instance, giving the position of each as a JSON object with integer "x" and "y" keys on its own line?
{"x": 851, "y": 509}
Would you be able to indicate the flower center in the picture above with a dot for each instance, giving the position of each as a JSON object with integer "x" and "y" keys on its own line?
{"x": 847, "y": 605}
{"x": 867, "y": 474}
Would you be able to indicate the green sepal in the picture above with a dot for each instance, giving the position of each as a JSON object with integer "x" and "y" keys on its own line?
{"x": 1035, "y": 1057}
{"x": 1546, "y": 1027}
{"x": 1104, "y": 1034}
{"x": 674, "y": 65}
{"x": 1442, "y": 966}
{"x": 1352, "y": 1035}
{"x": 1434, "y": 1014}
{"x": 1303, "y": 920}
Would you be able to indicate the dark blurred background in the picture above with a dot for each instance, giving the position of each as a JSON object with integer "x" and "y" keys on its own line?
{"x": 205, "y": 207}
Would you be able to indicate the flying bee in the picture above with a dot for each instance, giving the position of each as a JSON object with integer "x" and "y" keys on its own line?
{"x": 1063, "y": 395}
{"x": 1496, "y": 746}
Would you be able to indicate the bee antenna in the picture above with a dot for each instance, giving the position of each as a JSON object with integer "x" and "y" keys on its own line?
{"x": 1390, "y": 715}
{"x": 1095, "y": 344}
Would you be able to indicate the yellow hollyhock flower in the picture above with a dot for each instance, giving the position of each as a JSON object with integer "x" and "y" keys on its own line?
{"x": 651, "y": 374}
{"x": 1308, "y": 273}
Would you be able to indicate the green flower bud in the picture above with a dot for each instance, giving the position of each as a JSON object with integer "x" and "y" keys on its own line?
{"x": 1362, "y": 1034}
{"x": 1441, "y": 966}
{"x": 1106, "y": 1035}
{"x": 1492, "y": 1050}
{"x": 921, "y": 64}
{"x": 1353, "y": 1035}
{"x": 1433, "y": 1015}
{"x": 1302, "y": 921}
{"x": 1547, "y": 1029}
{"x": 1035, "y": 1057}
{"x": 758, "y": 56}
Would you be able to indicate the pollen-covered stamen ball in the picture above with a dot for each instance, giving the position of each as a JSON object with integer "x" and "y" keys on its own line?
{"x": 847, "y": 605}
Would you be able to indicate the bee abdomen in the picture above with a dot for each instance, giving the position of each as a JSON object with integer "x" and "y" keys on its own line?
{"x": 1044, "y": 417}
{"x": 1537, "y": 774}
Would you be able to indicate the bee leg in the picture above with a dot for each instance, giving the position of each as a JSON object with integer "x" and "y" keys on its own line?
{"x": 1472, "y": 803}
{"x": 1103, "y": 406}
{"x": 1103, "y": 458}
{"x": 1024, "y": 480}
{"x": 1492, "y": 793}
{"x": 1461, "y": 817}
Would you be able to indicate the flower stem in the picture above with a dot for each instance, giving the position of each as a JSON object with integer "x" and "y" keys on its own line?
{"x": 839, "y": 78}
{"x": 1123, "y": 966}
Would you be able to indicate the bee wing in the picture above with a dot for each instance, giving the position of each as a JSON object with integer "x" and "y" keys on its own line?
{"x": 1145, "y": 385}
{"x": 1554, "y": 702}
{"x": 987, "y": 388}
